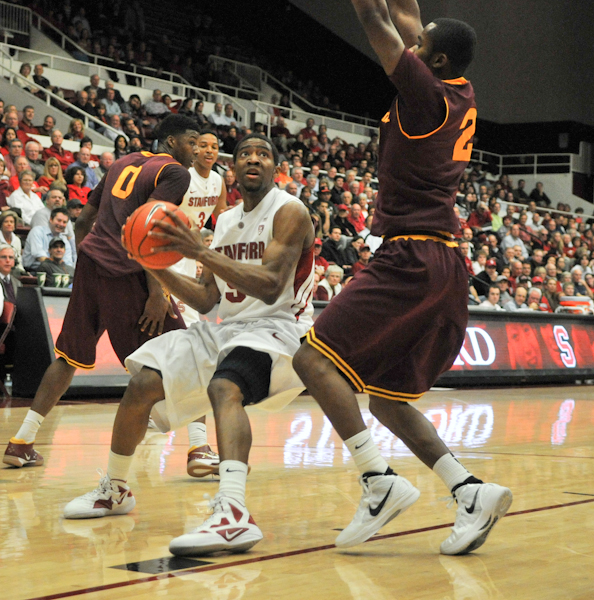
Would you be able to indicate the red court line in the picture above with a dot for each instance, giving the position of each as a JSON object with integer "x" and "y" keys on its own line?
{"x": 248, "y": 561}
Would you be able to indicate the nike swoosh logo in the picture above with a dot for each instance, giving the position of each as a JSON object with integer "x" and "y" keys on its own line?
{"x": 233, "y": 471}
{"x": 275, "y": 335}
{"x": 374, "y": 512}
{"x": 153, "y": 211}
{"x": 361, "y": 446}
{"x": 27, "y": 457}
{"x": 231, "y": 536}
{"x": 471, "y": 509}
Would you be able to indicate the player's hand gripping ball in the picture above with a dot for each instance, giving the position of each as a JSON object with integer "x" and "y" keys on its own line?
{"x": 139, "y": 243}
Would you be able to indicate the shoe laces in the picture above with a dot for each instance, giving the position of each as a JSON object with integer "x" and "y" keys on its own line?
{"x": 216, "y": 505}
{"x": 103, "y": 488}
{"x": 366, "y": 497}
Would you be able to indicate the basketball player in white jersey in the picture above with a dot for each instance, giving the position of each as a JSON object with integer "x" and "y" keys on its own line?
{"x": 261, "y": 269}
{"x": 206, "y": 197}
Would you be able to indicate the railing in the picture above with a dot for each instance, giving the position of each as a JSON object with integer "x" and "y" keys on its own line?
{"x": 296, "y": 114}
{"x": 77, "y": 67}
{"x": 12, "y": 75}
{"x": 524, "y": 164}
{"x": 14, "y": 19}
{"x": 69, "y": 45}
{"x": 248, "y": 75}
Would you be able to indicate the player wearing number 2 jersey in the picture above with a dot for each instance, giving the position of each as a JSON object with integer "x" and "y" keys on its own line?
{"x": 111, "y": 292}
{"x": 417, "y": 283}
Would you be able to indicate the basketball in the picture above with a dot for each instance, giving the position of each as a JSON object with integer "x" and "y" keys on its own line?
{"x": 136, "y": 234}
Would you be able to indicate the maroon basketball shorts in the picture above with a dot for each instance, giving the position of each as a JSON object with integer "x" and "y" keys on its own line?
{"x": 98, "y": 304}
{"x": 400, "y": 322}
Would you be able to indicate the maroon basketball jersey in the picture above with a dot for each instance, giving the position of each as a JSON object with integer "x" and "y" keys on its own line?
{"x": 128, "y": 184}
{"x": 425, "y": 145}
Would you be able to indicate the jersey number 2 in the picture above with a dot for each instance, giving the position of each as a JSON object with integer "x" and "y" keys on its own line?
{"x": 118, "y": 190}
{"x": 463, "y": 147}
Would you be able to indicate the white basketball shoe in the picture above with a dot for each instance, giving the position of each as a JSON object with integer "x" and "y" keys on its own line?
{"x": 480, "y": 506}
{"x": 384, "y": 498}
{"x": 111, "y": 497}
{"x": 230, "y": 528}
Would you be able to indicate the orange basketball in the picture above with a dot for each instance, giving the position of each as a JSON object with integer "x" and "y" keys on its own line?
{"x": 139, "y": 244}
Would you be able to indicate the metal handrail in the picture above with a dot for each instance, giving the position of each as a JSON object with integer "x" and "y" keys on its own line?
{"x": 85, "y": 117}
{"x": 11, "y": 21}
{"x": 97, "y": 59}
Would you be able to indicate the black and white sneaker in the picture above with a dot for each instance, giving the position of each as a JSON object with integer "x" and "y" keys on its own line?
{"x": 480, "y": 506}
{"x": 384, "y": 498}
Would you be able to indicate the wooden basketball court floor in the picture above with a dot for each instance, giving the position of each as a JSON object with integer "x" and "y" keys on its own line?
{"x": 302, "y": 489}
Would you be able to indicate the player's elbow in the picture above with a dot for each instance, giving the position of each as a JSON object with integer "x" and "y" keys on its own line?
{"x": 271, "y": 294}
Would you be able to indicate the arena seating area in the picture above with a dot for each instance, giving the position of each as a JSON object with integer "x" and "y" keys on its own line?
{"x": 521, "y": 254}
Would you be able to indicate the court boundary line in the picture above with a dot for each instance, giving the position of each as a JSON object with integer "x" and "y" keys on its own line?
{"x": 238, "y": 563}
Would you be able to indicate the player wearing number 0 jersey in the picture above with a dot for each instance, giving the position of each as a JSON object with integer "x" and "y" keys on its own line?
{"x": 417, "y": 283}
{"x": 111, "y": 292}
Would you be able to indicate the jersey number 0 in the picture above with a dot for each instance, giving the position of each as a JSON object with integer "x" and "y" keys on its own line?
{"x": 122, "y": 188}
{"x": 463, "y": 147}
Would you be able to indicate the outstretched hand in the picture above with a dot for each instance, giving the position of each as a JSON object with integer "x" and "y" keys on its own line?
{"x": 180, "y": 237}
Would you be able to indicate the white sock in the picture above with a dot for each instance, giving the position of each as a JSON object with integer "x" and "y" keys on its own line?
{"x": 366, "y": 454}
{"x": 197, "y": 434}
{"x": 450, "y": 471}
{"x": 30, "y": 427}
{"x": 118, "y": 466}
{"x": 233, "y": 474}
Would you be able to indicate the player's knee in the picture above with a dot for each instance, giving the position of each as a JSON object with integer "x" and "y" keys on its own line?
{"x": 221, "y": 391}
{"x": 308, "y": 362}
{"x": 145, "y": 387}
{"x": 380, "y": 408}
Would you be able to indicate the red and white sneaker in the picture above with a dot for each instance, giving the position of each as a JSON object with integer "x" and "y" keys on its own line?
{"x": 230, "y": 528}
{"x": 111, "y": 497}
{"x": 20, "y": 454}
{"x": 202, "y": 461}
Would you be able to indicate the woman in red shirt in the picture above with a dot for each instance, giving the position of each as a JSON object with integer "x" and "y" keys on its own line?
{"x": 76, "y": 179}
{"x": 52, "y": 172}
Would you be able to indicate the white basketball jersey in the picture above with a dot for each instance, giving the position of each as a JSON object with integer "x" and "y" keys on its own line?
{"x": 244, "y": 237}
{"x": 199, "y": 203}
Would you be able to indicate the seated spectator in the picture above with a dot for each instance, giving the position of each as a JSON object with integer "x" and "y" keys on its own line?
{"x": 8, "y": 291}
{"x": 481, "y": 217}
{"x": 110, "y": 85}
{"x": 49, "y": 124}
{"x": 111, "y": 105}
{"x": 37, "y": 244}
{"x": 120, "y": 147}
{"x": 465, "y": 251}
{"x": 22, "y": 164}
{"x": 539, "y": 196}
{"x": 115, "y": 123}
{"x": 308, "y": 131}
{"x": 101, "y": 116}
{"x": 26, "y": 123}
{"x": 233, "y": 193}
{"x": 492, "y": 300}
{"x": 332, "y": 249}
{"x": 513, "y": 239}
{"x": 53, "y": 199}
{"x": 43, "y": 82}
{"x": 291, "y": 188}
{"x": 229, "y": 116}
{"x": 95, "y": 85}
{"x": 283, "y": 176}
{"x": 351, "y": 252}
{"x": 155, "y": 107}
{"x": 217, "y": 117}
{"x": 33, "y": 155}
{"x": 25, "y": 81}
{"x": 331, "y": 284}
{"x": 364, "y": 259}
{"x": 84, "y": 158}
{"x": 74, "y": 209}
{"x": 65, "y": 157}
{"x": 342, "y": 221}
{"x": 280, "y": 134}
{"x": 76, "y": 179}
{"x": 55, "y": 264}
{"x": 230, "y": 141}
{"x": 87, "y": 142}
{"x": 8, "y": 223}
{"x": 76, "y": 130}
{"x": 520, "y": 195}
{"x": 24, "y": 198}
{"x": 199, "y": 114}
{"x": 534, "y": 300}
{"x": 486, "y": 278}
{"x": 577, "y": 278}
{"x": 550, "y": 296}
{"x": 568, "y": 289}
{"x": 105, "y": 161}
{"x": 11, "y": 119}
{"x": 52, "y": 172}
{"x": 356, "y": 218}
{"x": 82, "y": 104}
{"x": 8, "y": 136}
{"x": 519, "y": 300}
{"x": 321, "y": 264}
{"x": 134, "y": 144}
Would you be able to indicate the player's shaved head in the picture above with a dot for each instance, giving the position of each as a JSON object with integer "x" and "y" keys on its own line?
{"x": 456, "y": 39}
